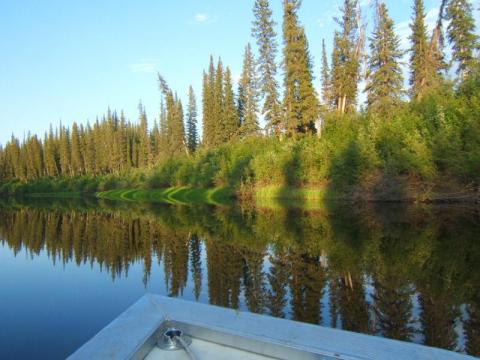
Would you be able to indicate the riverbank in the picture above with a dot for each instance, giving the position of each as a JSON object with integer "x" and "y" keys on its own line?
{"x": 381, "y": 191}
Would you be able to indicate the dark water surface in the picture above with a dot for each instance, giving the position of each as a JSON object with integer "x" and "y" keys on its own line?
{"x": 68, "y": 268}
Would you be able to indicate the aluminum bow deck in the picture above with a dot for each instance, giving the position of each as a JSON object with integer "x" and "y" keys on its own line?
{"x": 220, "y": 333}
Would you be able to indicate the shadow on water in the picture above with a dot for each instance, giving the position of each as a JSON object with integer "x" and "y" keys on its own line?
{"x": 397, "y": 271}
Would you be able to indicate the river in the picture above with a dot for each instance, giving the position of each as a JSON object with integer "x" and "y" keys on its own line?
{"x": 69, "y": 267}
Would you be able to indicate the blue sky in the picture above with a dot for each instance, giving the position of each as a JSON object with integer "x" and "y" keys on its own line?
{"x": 69, "y": 60}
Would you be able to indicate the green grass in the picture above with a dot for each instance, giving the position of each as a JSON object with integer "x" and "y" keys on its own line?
{"x": 174, "y": 195}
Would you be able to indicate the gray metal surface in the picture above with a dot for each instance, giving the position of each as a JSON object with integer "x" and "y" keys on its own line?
{"x": 134, "y": 333}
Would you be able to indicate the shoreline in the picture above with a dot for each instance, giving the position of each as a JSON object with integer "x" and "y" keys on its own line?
{"x": 308, "y": 195}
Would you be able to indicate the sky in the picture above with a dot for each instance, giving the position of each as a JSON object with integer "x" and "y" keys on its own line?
{"x": 66, "y": 61}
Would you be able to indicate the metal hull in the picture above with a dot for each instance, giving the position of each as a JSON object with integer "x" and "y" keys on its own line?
{"x": 134, "y": 334}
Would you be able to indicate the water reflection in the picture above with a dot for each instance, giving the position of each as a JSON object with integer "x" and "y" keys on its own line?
{"x": 406, "y": 273}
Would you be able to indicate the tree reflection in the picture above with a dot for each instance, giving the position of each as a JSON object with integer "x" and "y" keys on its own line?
{"x": 366, "y": 266}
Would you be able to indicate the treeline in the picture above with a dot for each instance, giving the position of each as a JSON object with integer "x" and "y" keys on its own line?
{"x": 111, "y": 145}
{"x": 114, "y": 145}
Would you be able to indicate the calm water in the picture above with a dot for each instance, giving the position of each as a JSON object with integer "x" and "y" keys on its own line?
{"x": 69, "y": 268}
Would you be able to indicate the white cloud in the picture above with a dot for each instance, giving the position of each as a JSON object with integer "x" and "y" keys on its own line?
{"x": 202, "y": 18}
{"x": 147, "y": 66}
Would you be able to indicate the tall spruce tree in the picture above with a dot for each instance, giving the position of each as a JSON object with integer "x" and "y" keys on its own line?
{"x": 248, "y": 95}
{"x": 263, "y": 31}
{"x": 462, "y": 36}
{"x": 175, "y": 131}
{"x": 178, "y": 143}
{"x": 218, "y": 98}
{"x": 230, "y": 118}
{"x": 192, "y": 133}
{"x": 33, "y": 157}
{"x": 326, "y": 78}
{"x": 436, "y": 48}
{"x": 65, "y": 152}
{"x": 348, "y": 46}
{"x": 300, "y": 102}
{"x": 162, "y": 146}
{"x": 50, "y": 154}
{"x": 384, "y": 77}
{"x": 423, "y": 64}
{"x": 208, "y": 105}
{"x": 144, "y": 146}
{"x": 205, "y": 111}
{"x": 90, "y": 151}
{"x": 77, "y": 161}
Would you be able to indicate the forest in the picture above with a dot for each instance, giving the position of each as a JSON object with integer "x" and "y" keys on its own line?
{"x": 268, "y": 137}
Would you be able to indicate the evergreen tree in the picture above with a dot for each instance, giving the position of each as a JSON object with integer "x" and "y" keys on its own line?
{"x": 326, "y": 78}
{"x": 175, "y": 129}
{"x": 192, "y": 134}
{"x": 155, "y": 139}
{"x": 230, "y": 115}
{"x": 64, "y": 149}
{"x": 384, "y": 79}
{"x": 300, "y": 101}
{"x": 263, "y": 31}
{"x": 348, "y": 45}
{"x": 121, "y": 139}
{"x": 77, "y": 162}
{"x": 163, "y": 139}
{"x": 144, "y": 138}
{"x": 34, "y": 158}
{"x": 217, "y": 125}
{"x": 437, "y": 56}
{"x": 50, "y": 154}
{"x": 178, "y": 145}
{"x": 462, "y": 36}
{"x": 15, "y": 157}
{"x": 90, "y": 153}
{"x": 205, "y": 110}
{"x": 424, "y": 59}
{"x": 248, "y": 94}
{"x": 208, "y": 105}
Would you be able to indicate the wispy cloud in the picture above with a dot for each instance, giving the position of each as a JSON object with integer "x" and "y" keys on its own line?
{"x": 203, "y": 18}
{"x": 146, "y": 66}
